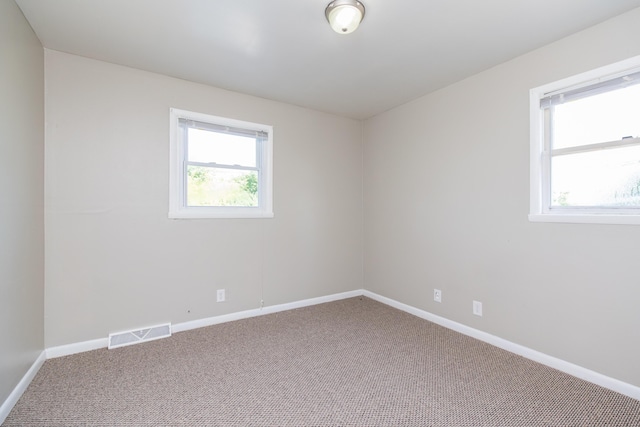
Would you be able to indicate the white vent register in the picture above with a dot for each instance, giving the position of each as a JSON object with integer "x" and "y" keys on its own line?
{"x": 135, "y": 336}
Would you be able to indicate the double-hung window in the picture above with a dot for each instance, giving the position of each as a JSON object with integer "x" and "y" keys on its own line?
{"x": 585, "y": 147}
{"x": 219, "y": 167}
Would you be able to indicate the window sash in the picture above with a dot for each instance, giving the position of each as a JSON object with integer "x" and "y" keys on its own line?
{"x": 260, "y": 137}
{"x": 548, "y": 157}
{"x": 210, "y": 167}
{"x": 624, "y": 142}
{"x": 222, "y": 166}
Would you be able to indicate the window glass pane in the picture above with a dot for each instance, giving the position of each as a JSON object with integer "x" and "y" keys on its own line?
{"x": 606, "y": 117}
{"x": 207, "y": 186}
{"x": 597, "y": 178}
{"x": 216, "y": 147}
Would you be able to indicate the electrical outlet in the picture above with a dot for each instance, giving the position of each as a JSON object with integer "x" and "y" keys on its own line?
{"x": 437, "y": 295}
{"x": 477, "y": 308}
{"x": 220, "y": 295}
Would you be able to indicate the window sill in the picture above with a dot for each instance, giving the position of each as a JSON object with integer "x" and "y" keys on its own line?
{"x": 218, "y": 214}
{"x": 627, "y": 219}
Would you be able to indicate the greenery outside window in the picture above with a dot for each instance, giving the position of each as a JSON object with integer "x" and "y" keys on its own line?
{"x": 220, "y": 168}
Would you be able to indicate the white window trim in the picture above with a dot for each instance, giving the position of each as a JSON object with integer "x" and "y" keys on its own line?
{"x": 540, "y": 161}
{"x": 177, "y": 208}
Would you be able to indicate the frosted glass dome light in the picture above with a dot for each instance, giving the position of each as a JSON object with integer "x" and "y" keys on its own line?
{"x": 344, "y": 16}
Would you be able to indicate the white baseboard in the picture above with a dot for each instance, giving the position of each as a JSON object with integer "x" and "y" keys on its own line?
{"x": 553, "y": 362}
{"x": 180, "y": 327}
{"x": 11, "y": 401}
{"x": 79, "y": 347}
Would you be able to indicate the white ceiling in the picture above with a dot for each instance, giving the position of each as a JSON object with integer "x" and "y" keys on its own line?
{"x": 285, "y": 50}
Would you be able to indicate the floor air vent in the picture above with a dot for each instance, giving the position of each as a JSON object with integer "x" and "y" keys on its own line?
{"x": 135, "y": 336}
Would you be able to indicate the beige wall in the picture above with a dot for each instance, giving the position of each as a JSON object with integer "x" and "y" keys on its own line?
{"x": 21, "y": 197}
{"x": 114, "y": 259}
{"x": 446, "y": 204}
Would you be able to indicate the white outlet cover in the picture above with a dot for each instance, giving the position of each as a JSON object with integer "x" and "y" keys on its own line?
{"x": 220, "y": 297}
{"x": 477, "y": 308}
{"x": 437, "y": 295}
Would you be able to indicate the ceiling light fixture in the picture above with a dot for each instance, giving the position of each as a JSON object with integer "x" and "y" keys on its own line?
{"x": 344, "y": 16}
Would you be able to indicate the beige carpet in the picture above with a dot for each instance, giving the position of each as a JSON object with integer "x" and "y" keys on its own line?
{"x": 354, "y": 362}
